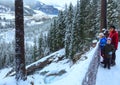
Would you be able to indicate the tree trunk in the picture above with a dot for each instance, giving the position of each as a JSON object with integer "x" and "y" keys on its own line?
{"x": 19, "y": 43}
{"x": 103, "y": 14}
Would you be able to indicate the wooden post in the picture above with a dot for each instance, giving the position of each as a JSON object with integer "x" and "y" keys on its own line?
{"x": 19, "y": 43}
{"x": 103, "y": 14}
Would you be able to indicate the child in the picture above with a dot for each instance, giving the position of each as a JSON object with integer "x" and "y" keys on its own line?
{"x": 107, "y": 51}
{"x": 102, "y": 43}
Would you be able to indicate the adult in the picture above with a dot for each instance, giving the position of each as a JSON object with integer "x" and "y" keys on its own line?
{"x": 106, "y": 32}
{"x": 113, "y": 34}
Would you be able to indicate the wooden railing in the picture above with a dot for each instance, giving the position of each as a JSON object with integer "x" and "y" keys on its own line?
{"x": 90, "y": 76}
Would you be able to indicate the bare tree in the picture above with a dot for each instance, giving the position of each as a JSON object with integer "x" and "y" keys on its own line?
{"x": 19, "y": 44}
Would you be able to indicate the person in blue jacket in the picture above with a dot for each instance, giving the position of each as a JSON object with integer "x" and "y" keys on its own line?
{"x": 103, "y": 41}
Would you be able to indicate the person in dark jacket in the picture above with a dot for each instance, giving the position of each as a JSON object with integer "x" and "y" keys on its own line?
{"x": 108, "y": 51}
{"x": 114, "y": 36}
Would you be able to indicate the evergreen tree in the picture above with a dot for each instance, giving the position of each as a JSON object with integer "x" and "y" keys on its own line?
{"x": 93, "y": 20}
{"x": 85, "y": 23}
{"x": 118, "y": 14}
{"x": 75, "y": 35}
{"x": 74, "y": 25}
{"x": 52, "y": 37}
{"x": 45, "y": 47}
{"x": 40, "y": 46}
{"x": 112, "y": 12}
{"x": 60, "y": 31}
{"x": 84, "y": 13}
{"x": 69, "y": 21}
{"x": 29, "y": 53}
{"x": 35, "y": 51}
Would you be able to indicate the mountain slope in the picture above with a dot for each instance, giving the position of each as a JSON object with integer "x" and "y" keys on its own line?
{"x": 48, "y": 9}
{"x": 4, "y": 9}
{"x": 10, "y": 9}
{"x": 29, "y": 7}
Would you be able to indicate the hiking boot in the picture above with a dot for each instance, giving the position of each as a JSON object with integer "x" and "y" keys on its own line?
{"x": 113, "y": 64}
{"x": 104, "y": 66}
{"x": 102, "y": 62}
{"x": 108, "y": 67}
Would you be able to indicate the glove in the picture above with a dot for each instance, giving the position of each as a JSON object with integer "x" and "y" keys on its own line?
{"x": 110, "y": 53}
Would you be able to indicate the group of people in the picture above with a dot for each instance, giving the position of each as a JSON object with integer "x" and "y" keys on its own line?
{"x": 108, "y": 45}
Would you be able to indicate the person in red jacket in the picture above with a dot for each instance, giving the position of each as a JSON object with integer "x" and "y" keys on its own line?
{"x": 113, "y": 34}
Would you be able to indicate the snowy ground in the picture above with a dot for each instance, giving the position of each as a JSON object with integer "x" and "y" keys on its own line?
{"x": 112, "y": 76}
{"x": 73, "y": 74}
{"x": 42, "y": 77}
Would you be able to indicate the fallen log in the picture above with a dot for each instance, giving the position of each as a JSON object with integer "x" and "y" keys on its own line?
{"x": 38, "y": 65}
{"x": 32, "y": 68}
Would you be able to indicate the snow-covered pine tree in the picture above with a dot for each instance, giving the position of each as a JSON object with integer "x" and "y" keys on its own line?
{"x": 7, "y": 53}
{"x": 52, "y": 36}
{"x": 84, "y": 13}
{"x": 112, "y": 12}
{"x": 3, "y": 54}
{"x": 60, "y": 31}
{"x": 40, "y": 42}
{"x": 118, "y": 3}
{"x": 93, "y": 19}
{"x": 75, "y": 35}
{"x": 65, "y": 15}
{"x": 69, "y": 21}
{"x": 83, "y": 25}
{"x": 45, "y": 46}
{"x": 35, "y": 51}
{"x": 29, "y": 53}
{"x": 10, "y": 53}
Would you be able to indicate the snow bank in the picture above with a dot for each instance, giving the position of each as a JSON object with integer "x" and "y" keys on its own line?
{"x": 78, "y": 72}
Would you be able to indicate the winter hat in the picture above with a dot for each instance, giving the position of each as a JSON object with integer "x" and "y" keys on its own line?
{"x": 101, "y": 34}
{"x": 112, "y": 26}
{"x": 94, "y": 41}
{"x": 109, "y": 38}
{"x": 103, "y": 29}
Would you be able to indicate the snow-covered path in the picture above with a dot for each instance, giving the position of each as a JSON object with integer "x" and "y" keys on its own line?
{"x": 112, "y": 76}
